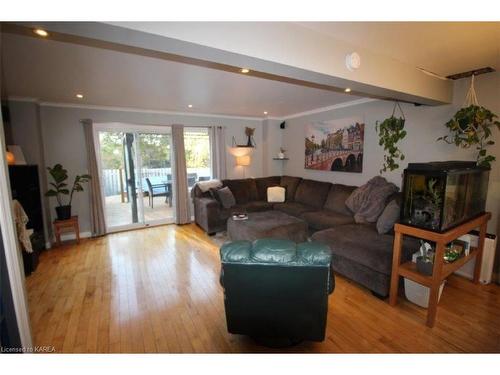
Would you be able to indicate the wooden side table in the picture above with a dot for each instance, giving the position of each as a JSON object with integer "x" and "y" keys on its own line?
{"x": 63, "y": 226}
{"x": 440, "y": 269}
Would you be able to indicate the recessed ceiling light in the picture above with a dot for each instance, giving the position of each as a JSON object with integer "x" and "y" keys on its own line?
{"x": 265, "y": 112}
{"x": 79, "y": 96}
{"x": 41, "y": 32}
{"x": 245, "y": 70}
{"x": 347, "y": 89}
{"x": 190, "y": 106}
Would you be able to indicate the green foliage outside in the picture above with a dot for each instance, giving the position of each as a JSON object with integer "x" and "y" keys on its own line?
{"x": 155, "y": 150}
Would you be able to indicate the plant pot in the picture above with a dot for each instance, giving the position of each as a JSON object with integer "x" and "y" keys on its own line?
{"x": 63, "y": 212}
{"x": 424, "y": 267}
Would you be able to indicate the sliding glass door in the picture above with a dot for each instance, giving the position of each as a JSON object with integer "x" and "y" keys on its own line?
{"x": 156, "y": 177}
{"x": 136, "y": 178}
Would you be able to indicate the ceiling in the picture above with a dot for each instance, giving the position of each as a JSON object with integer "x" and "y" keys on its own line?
{"x": 55, "y": 72}
{"x": 443, "y": 48}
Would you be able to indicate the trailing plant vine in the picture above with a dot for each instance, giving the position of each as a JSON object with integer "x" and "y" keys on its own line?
{"x": 471, "y": 126}
{"x": 390, "y": 132}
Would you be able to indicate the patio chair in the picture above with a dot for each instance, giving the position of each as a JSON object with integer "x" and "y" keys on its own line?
{"x": 192, "y": 177}
{"x": 159, "y": 190}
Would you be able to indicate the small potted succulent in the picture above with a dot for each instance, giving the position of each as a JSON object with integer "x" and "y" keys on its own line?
{"x": 425, "y": 261}
{"x": 60, "y": 188}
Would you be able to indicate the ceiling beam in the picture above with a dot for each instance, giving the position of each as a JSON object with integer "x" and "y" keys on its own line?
{"x": 283, "y": 52}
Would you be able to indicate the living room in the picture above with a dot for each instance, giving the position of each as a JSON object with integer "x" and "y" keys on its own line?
{"x": 152, "y": 171}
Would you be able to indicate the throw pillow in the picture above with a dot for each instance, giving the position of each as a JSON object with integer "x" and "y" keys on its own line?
{"x": 224, "y": 196}
{"x": 389, "y": 217}
{"x": 276, "y": 194}
{"x": 209, "y": 184}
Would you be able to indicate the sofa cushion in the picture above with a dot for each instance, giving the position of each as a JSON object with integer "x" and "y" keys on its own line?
{"x": 272, "y": 250}
{"x": 262, "y": 183}
{"x": 389, "y": 217}
{"x": 290, "y": 184}
{"x": 254, "y": 206}
{"x": 276, "y": 251}
{"x": 325, "y": 219}
{"x": 312, "y": 193}
{"x": 336, "y": 198}
{"x": 244, "y": 190}
{"x": 362, "y": 244}
{"x": 293, "y": 208}
{"x": 236, "y": 251}
{"x": 224, "y": 196}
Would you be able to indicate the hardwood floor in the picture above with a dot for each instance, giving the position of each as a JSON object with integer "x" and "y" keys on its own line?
{"x": 157, "y": 290}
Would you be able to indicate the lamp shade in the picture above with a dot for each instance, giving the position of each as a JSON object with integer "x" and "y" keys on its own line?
{"x": 243, "y": 160}
{"x": 11, "y": 159}
{"x": 240, "y": 151}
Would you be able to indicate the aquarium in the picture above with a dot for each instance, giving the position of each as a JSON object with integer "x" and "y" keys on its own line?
{"x": 441, "y": 195}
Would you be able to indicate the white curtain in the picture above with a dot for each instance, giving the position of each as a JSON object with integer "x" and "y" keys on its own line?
{"x": 179, "y": 172}
{"x": 97, "y": 218}
{"x": 218, "y": 139}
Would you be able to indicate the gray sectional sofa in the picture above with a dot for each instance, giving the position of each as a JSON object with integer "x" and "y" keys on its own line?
{"x": 359, "y": 252}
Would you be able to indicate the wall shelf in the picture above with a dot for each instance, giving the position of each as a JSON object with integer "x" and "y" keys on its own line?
{"x": 281, "y": 159}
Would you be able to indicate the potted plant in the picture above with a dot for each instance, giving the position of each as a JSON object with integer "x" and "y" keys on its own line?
{"x": 471, "y": 126}
{"x": 390, "y": 132}
{"x": 281, "y": 154}
{"x": 60, "y": 188}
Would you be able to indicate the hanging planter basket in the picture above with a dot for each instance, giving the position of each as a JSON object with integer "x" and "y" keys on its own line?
{"x": 390, "y": 132}
{"x": 472, "y": 127}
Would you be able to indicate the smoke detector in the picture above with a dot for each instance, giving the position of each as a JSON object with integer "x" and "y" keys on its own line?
{"x": 353, "y": 61}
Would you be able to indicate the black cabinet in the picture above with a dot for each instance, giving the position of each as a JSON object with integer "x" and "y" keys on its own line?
{"x": 25, "y": 187}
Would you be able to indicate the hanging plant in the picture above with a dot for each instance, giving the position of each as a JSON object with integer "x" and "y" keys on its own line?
{"x": 390, "y": 132}
{"x": 471, "y": 127}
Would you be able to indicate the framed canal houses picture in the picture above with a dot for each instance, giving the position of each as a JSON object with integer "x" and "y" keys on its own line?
{"x": 335, "y": 145}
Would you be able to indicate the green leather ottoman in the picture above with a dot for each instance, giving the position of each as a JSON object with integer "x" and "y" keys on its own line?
{"x": 276, "y": 291}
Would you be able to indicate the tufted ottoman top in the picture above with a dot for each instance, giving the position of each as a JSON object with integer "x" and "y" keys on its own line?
{"x": 276, "y": 251}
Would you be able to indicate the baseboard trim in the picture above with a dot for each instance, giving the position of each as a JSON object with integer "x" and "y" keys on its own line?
{"x": 68, "y": 237}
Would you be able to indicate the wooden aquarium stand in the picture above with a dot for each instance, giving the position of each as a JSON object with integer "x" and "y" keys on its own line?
{"x": 441, "y": 270}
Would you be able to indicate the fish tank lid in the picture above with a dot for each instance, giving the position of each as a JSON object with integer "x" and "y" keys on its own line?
{"x": 444, "y": 166}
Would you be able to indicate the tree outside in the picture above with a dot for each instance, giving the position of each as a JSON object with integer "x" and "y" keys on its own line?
{"x": 155, "y": 150}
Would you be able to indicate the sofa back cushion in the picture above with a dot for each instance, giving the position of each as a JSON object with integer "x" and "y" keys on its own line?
{"x": 290, "y": 184}
{"x": 244, "y": 190}
{"x": 263, "y": 183}
{"x": 336, "y": 198}
{"x": 312, "y": 193}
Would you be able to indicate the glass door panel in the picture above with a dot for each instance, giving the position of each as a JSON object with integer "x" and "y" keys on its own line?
{"x": 198, "y": 163}
{"x": 118, "y": 167}
{"x": 198, "y": 157}
{"x": 156, "y": 176}
{"x": 136, "y": 175}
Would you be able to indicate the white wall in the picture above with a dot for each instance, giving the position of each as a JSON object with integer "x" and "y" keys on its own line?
{"x": 63, "y": 140}
{"x": 423, "y": 124}
{"x": 272, "y": 141}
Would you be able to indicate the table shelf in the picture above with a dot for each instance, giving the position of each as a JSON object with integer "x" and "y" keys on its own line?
{"x": 441, "y": 270}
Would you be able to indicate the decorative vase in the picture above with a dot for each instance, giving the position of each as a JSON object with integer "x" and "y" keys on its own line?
{"x": 249, "y": 142}
{"x": 63, "y": 212}
{"x": 424, "y": 267}
{"x": 281, "y": 155}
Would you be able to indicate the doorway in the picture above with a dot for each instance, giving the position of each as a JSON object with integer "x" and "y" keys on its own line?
{"x": 136, "y": 175}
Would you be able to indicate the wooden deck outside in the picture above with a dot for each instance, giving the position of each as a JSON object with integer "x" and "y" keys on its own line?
{"x": 118, "y": 213}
